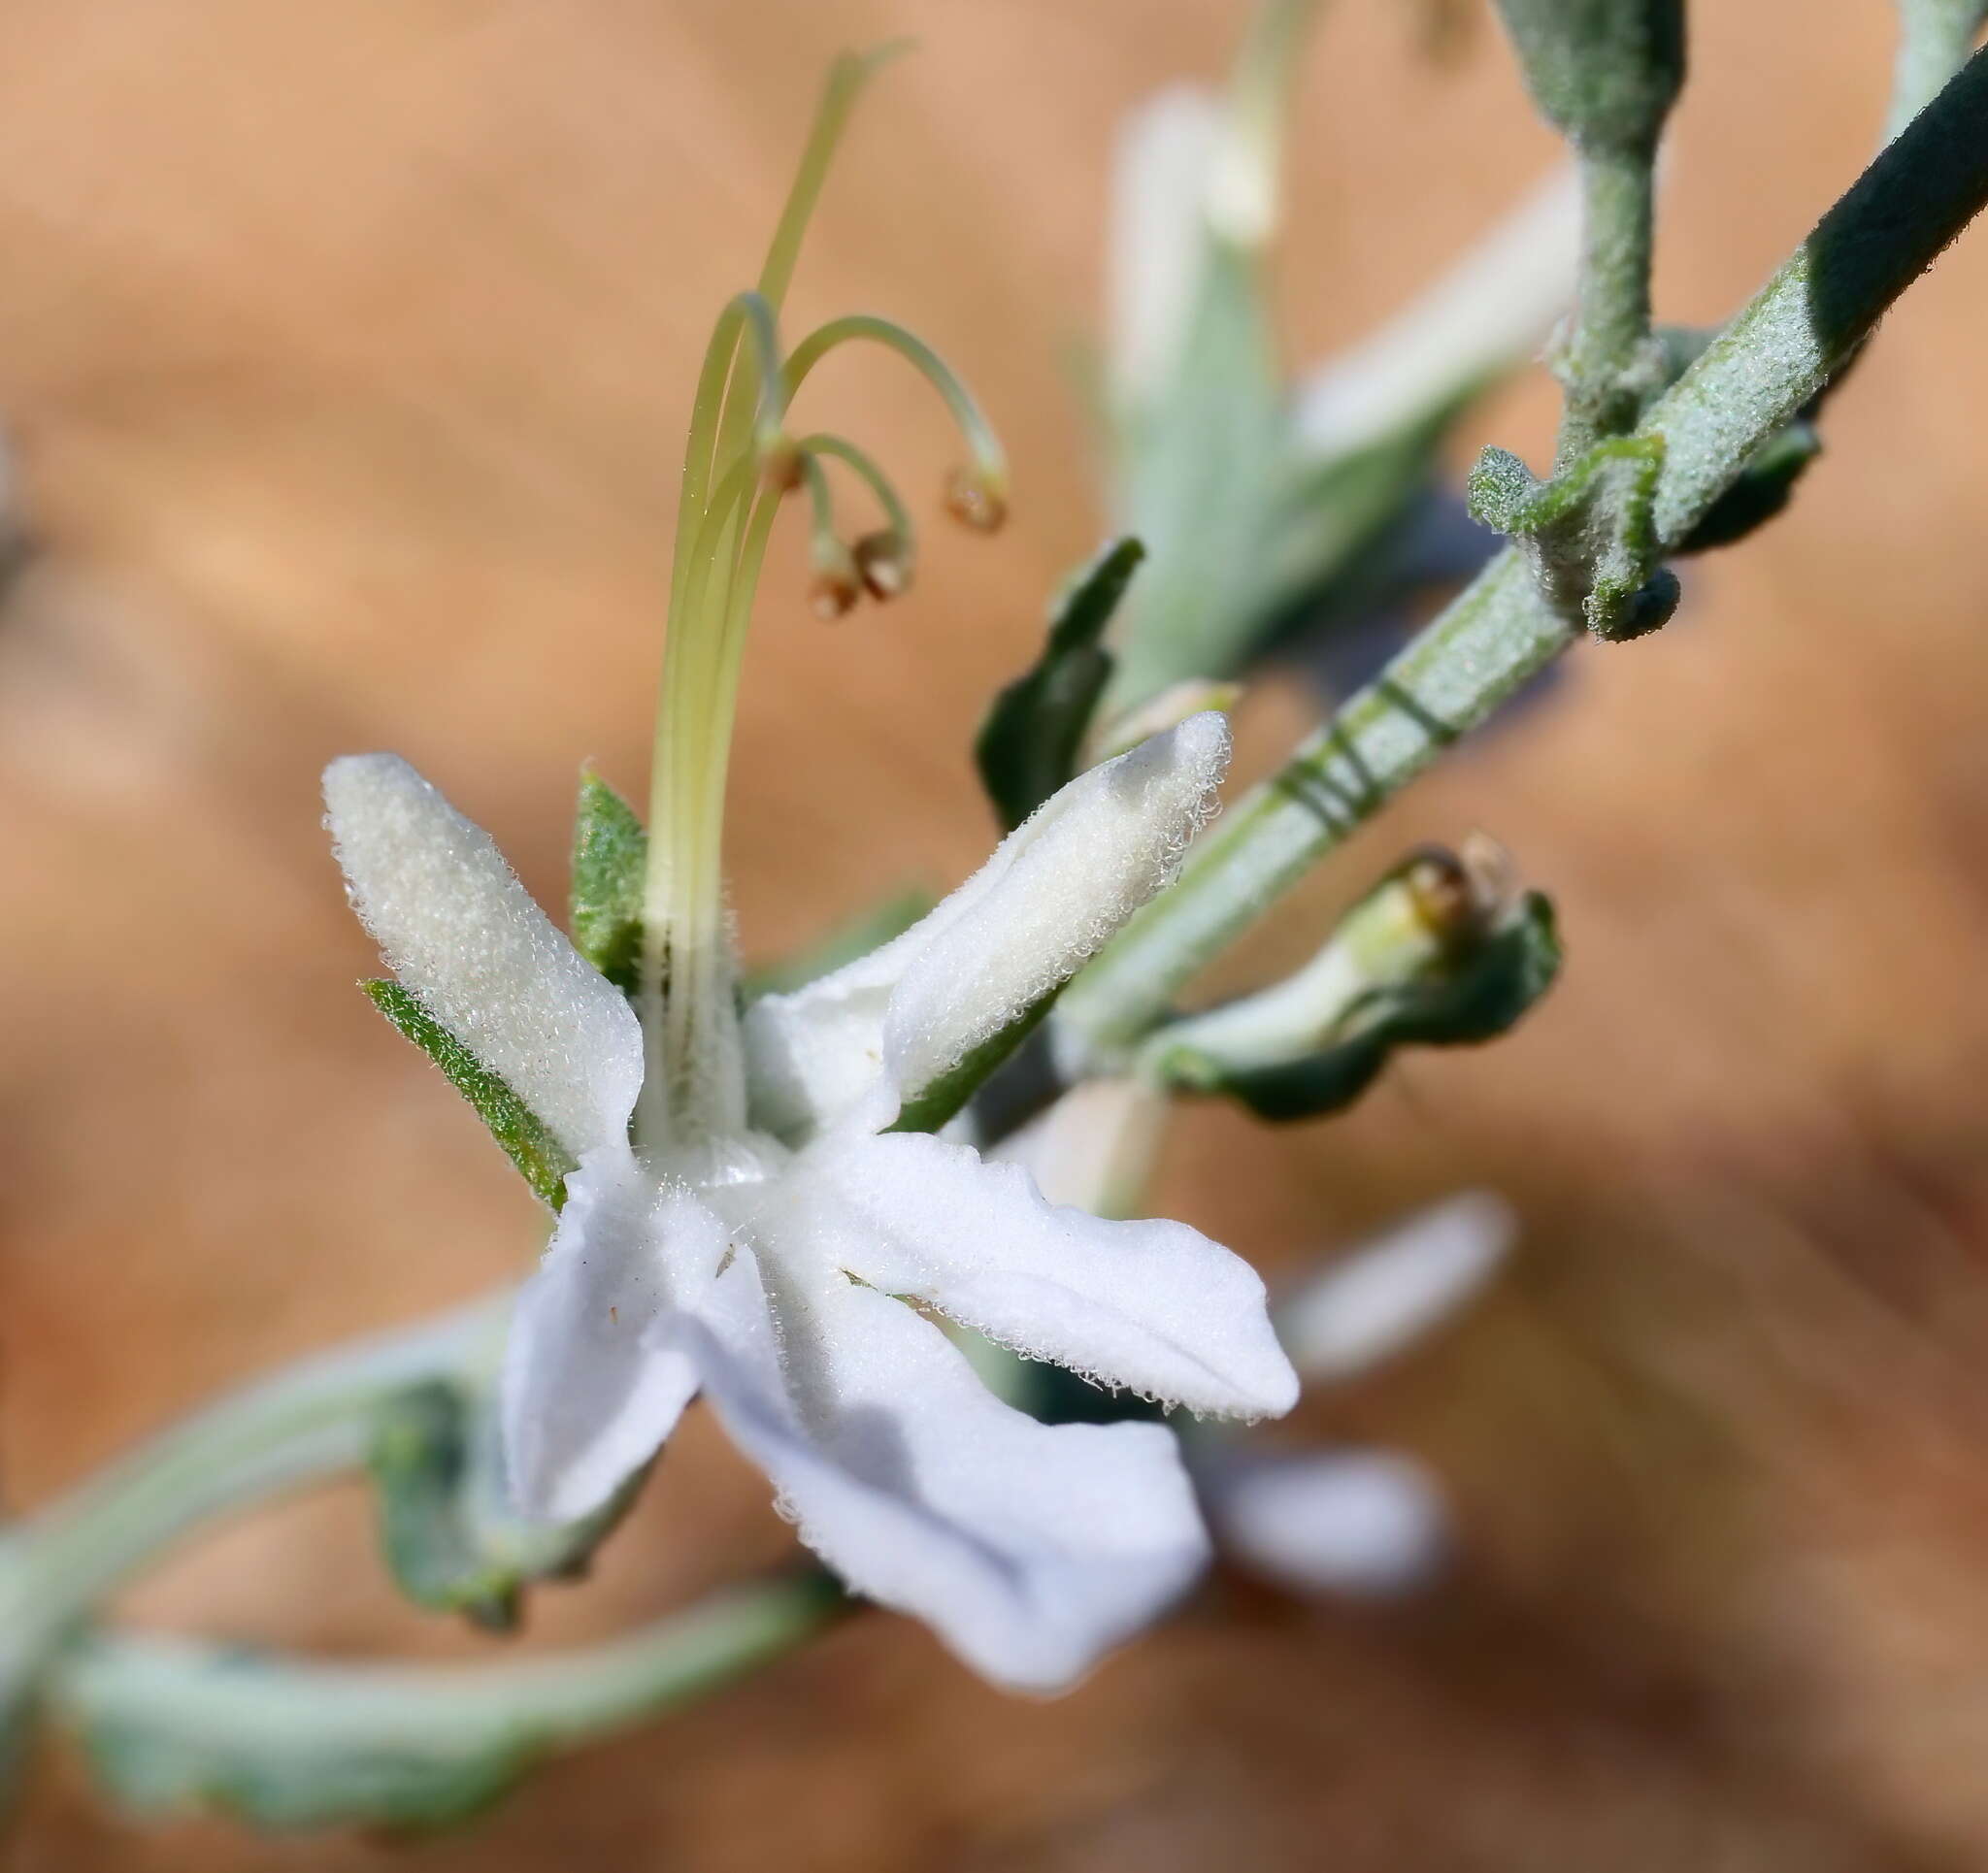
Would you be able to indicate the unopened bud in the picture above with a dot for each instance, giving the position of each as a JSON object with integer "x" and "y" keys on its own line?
{"x": 883, "y": 563}
{"x": 974, "y": 500}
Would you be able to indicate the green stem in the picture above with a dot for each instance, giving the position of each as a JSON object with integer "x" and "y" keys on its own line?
{"x": 1802, "y": 325}
{"x": 1606, "y": 356}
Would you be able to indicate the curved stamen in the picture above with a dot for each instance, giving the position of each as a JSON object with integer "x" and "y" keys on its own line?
{"x": 884, "y": 560}
{"x": 981, "y": 500}
{"x": 837, "y": 581}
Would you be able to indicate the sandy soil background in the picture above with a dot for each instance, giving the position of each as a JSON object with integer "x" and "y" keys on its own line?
{"x": 348, "y": 348}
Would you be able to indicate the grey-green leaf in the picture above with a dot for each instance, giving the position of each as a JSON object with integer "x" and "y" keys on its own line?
{"x": 452, "y": 1540}
{"x": 1028, "y": 745}
{"x": 541, "y": 1158}
{"x": 610, "y": 855}
{"x": 154, "y": 1768}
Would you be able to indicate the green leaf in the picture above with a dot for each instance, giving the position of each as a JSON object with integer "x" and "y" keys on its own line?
{"x": 1478, "y": 997}
{"x": 1028, "y": 745}
{"x": 609, "y": 856}
{"x": 1198, "y": 468}
{"x": 542, "y": 1160}
{"x": 270, "y": 1784}
{"x": 417, "y": 1459}
{"x": 868, "y": 929}
{"x": 450, "y": 1538}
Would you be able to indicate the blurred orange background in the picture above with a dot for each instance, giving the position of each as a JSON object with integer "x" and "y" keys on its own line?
{"x": 348, "y": 349}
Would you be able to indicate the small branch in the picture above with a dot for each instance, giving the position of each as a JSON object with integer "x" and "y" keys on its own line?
{"x": 1607, "y": 362}
{"x": 1774, "y": 357}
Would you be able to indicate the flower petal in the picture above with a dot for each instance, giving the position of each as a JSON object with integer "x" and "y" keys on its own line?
{"x": 1326, "y": 1522}
{"x": 460, "y": 930}
{"x": 1367, "y": 1305}
{"x": 1055, "y": 890}
{"x": 588, "y": 1394}
{"x": 1153, "y": 1305}
{"x": 1032, "y": 1550}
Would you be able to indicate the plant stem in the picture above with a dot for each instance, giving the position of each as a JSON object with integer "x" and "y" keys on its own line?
{"x": 1604, "y": 360}
{"x": 1781, "y": 349}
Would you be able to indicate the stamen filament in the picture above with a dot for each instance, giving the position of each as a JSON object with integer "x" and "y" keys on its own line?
{"x": 838, "y": 584}
{"x": 990, "y": 460}
{"x": 864, "y": 467}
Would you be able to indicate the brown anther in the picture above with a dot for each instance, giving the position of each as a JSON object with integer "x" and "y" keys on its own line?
{"x": 973, "y": 502}
{"x": 882, "y": 564}
{"x": 832, "y": 595}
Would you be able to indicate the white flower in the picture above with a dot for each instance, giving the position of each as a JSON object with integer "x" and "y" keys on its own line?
{"x": 787, "y": 1265}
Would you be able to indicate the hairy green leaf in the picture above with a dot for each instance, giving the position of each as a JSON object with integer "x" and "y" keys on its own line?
{"x": 541, "y": 1158}
{"x": 450, "y": 1538}
{"x": 610, "y": 855}
{"x": 269, "y": 1784}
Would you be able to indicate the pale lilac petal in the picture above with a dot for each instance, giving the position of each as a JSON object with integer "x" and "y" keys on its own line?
{"x": 1325, "y": 1522}
{"x": 461, "y": 932}
{"x": 1367, "y": 1305}
{"x": 1031, "y": 1550}
{"x": 587, "y": 1393}
{"x": 1054, "y": 891}
{"x": 1152, "y": 1305}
